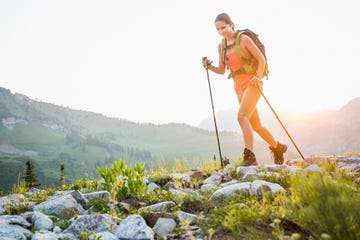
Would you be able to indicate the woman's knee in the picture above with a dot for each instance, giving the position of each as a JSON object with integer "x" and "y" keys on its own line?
{"x": 243, "y": 119}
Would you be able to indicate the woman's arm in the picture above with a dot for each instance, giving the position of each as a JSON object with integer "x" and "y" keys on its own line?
{"x": 221, "y": 67}
{"x": 250, "y": 46}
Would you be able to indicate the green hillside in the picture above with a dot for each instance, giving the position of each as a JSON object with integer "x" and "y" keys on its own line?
{"x": 51, "y": 135}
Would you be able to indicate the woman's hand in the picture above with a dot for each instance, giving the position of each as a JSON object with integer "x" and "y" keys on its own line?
{"x": 256, "y": 81}
{"x": 206, "y": 62}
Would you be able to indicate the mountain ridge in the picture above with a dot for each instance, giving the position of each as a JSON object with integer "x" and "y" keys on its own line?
{"x": 83, "y": 140}
{"x": 328, "y": 131}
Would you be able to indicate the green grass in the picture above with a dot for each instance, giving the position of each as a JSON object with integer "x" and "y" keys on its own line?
{"x": 324, "y": 203}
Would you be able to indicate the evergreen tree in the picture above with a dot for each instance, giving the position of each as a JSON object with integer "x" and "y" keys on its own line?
{"x": 30, "y": 177}
{"x": 62, "y": 175}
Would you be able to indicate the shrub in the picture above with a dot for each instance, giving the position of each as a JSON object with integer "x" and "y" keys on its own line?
{"x": 20, "y": 187}
{"x": 157, "y": 195}
{"x": 324, "y": 203}
{"x": 160, "y": 179}
{"x": 42, "y": 195}
{"x": 13, "y": 208}
{"x": 123, "y": 180}
{"x": 87, "y": 185}
{"x": 242, "y": 217}
{"x": 100, "y": 206}
{"x": 192, "y": 203}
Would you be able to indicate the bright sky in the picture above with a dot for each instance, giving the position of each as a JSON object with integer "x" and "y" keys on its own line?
{"x": 141, "y": 59}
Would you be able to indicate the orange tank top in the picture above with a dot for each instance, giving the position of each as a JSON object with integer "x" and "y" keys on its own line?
{"x": 234, "y": 63}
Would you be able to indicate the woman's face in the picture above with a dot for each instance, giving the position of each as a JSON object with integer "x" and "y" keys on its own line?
{"x": 224, "y": 29}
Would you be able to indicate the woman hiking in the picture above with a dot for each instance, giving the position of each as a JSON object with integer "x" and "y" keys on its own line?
{"x": 247, "y": 82}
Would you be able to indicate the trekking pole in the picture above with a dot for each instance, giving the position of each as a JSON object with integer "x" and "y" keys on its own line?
{"x": 213, "y": 112}
{"x": 282, "y": 125}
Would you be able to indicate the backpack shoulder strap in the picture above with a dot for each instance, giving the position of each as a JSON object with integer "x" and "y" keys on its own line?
{"x": 222, "y": 46}
{"x": 237, "y": 47}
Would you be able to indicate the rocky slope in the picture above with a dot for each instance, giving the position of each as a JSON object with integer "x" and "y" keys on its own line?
{"x": 164, "y": 219}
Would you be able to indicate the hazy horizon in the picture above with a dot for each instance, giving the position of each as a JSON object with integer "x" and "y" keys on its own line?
{"x": 209, "y": 116}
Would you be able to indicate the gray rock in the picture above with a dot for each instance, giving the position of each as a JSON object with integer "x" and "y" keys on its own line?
{"x": 189, "y": 190}
{"x": 231, "y": 190}
{"x": 215, "y": 178}
{"x": 3, "y": 200}
{"x": 274, "y": 167}
{"x": 164, "y": 226}
{"x": 249, "y": 172}
{"x": 41, "y": 222}
{"x": 208, "y": 187}
{"x": 80, "y": 198}
{"x": 162, "y": 206}
{"x": 27, "y": 215}
{"x": 183, "y": 177}
{"x": 94, "y": 222}
{"x": 134, "y": 228}
{"x": 170, "y": 185}
{"x": 14, "y": 220}
{"x": 357, "y": 180}
{"x": 58, "y": 194}
{"x": 269, "y": 174}
{"x": 348, "y": 160}
{"x": 228, "y": 168}
{"x": 146, "y": 180}
{"x": 57, "y": 230}
{"x": 178, "y": 193}
{"x": 243, "y": 170}
{"x": 229, "y": 183}
{"x": 14, "y": 199}
{"x": 257, "y": 187}
{"x": 32, "y": 191}
{"x": 97, "y": 195}
{"x": 292, "y": 169}
{"x": 293, "y": 162}
{"x": 44, "y": 235}
{"x": 152, "y": 186}
{"x": 312, "y": 168}
{"x": 64, "y": 207}
{"x": 188, "y": 217}
{"x": 353, "y": 168}
{"x": 67, "y": 236}
{"x": 104, "y": 236}
{"x": 14, "y": 232}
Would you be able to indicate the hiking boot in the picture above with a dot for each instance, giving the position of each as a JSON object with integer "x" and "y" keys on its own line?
{"x": 278, "y": 153}
{"x": 249, "y": 158}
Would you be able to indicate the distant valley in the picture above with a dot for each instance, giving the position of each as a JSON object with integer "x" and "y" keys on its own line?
{"x": 52, "y": 135}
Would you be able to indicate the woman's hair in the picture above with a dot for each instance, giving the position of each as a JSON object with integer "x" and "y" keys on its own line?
{"x": 225, "y": 18}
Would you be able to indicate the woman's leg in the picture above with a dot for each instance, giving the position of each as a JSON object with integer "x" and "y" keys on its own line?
{"x": 259, "y": 129}
{"x": 248, "y": 99}
{"x": 277, "y": 149}
{"x": 249, "y": 120}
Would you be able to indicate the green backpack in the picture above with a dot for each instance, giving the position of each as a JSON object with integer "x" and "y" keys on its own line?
{"x": 250, "y": 65}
